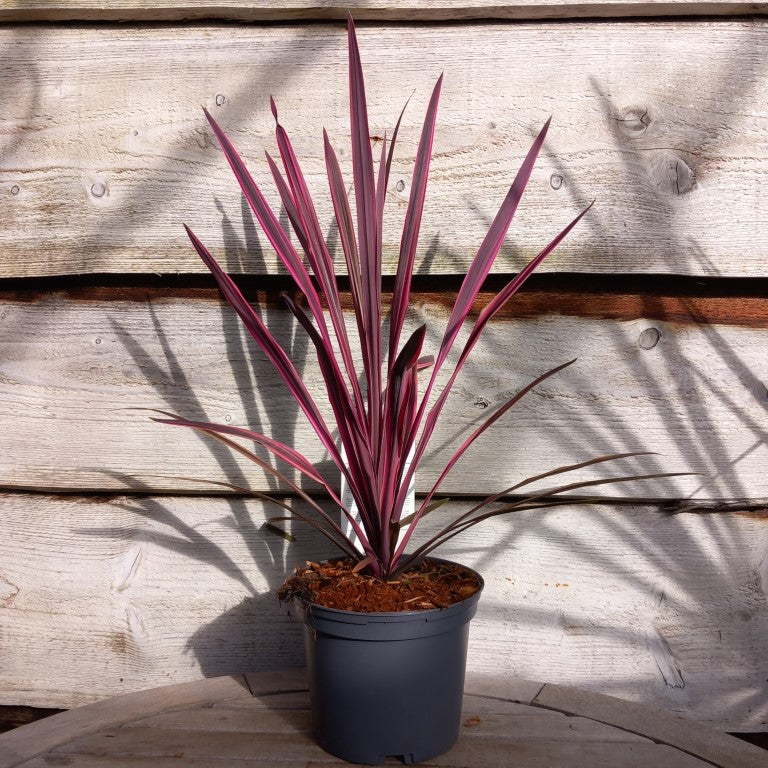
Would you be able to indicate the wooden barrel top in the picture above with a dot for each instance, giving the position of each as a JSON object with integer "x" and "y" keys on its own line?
{"x": 263, "y": 719}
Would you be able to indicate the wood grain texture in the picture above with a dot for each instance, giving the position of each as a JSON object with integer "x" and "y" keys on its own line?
{"x": 261, "y": 730}
{"x": 288, "y": 739}
{"x": 692, "y": 738}
{"x": 99, "y": 149}
{"x": 17, "y": 746}
{"x": 363, "y": 10}
{"x": 101, "y": 596}
{"x": 72, "y": 372}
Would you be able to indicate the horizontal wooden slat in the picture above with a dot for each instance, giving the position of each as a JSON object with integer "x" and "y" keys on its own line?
{"x": 475, "y": 703}
{"x": 107, "y": 596}
{"x": 101, "y": 159}
{"x": 693, "y": 738}
{"x": 127, "y": 594}
{"x": 263, "y": 732}
{"x": 72, "y": 372}
{"x": 382, "y": 10}
{"x": 18, "y": 746}
{"x": 286, "y": 742}
{"x": 532, "y": 724}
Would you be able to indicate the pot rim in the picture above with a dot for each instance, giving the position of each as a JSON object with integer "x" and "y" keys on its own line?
{"x": 424, "y": 614}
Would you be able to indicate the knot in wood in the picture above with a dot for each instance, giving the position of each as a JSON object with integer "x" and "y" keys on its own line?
{"x": 634, "y": 121}
{"x": 671, "y": 174}
{"x": 683, "y": 177}
{"x": 649, "y": 338}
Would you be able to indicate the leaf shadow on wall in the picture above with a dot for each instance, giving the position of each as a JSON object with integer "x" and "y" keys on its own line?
{"x": 683, "y": 533}
{"x": 230, "y": 643}
{"x": 615, "y": 433}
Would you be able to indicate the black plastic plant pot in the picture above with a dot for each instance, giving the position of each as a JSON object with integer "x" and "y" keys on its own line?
{"x": 387, "y": 684}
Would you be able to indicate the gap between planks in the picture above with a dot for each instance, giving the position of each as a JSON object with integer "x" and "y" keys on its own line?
{"x": 303, "y": 11}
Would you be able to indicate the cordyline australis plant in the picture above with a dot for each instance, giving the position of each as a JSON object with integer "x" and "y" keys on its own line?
{"x": 382, "y": 421}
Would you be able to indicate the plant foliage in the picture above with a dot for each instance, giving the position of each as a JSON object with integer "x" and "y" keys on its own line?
{"x": 381, "y": 421}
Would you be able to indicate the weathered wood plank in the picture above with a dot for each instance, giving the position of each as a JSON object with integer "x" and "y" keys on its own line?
{"x": 16, "y": 746}
{"x": 187, "y": 733}
{"x": 155, "y": 761}
{"x": 531, "y": 724}
{"x": 543, "y": 754}
{"x": 475, "y": 704}
{"x": 694, "y": 738}
{"x": 494, "y": 755}
{"x": 288, "y": 743}
{"x": 72, "y": 371}
{"x": 507, "y": 688}
{"x": 295, "y": 743}
{"x": 363, "y": 10}
{"x": 105, "y": 596}
{"x": 97, "y": 148}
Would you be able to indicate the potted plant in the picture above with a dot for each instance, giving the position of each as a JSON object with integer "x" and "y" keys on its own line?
{"x": 386, "y": 625}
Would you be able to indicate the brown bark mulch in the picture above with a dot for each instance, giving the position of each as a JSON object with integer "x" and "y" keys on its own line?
{"x": 334, "y": 584}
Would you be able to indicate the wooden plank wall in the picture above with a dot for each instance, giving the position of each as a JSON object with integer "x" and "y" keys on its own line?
{"x": 117, "y": 573}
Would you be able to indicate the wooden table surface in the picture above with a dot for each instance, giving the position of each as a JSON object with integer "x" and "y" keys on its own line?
{"x": 263, "y": 719}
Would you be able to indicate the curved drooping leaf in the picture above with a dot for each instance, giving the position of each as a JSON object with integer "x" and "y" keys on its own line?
{"x": 384, "y": 421}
